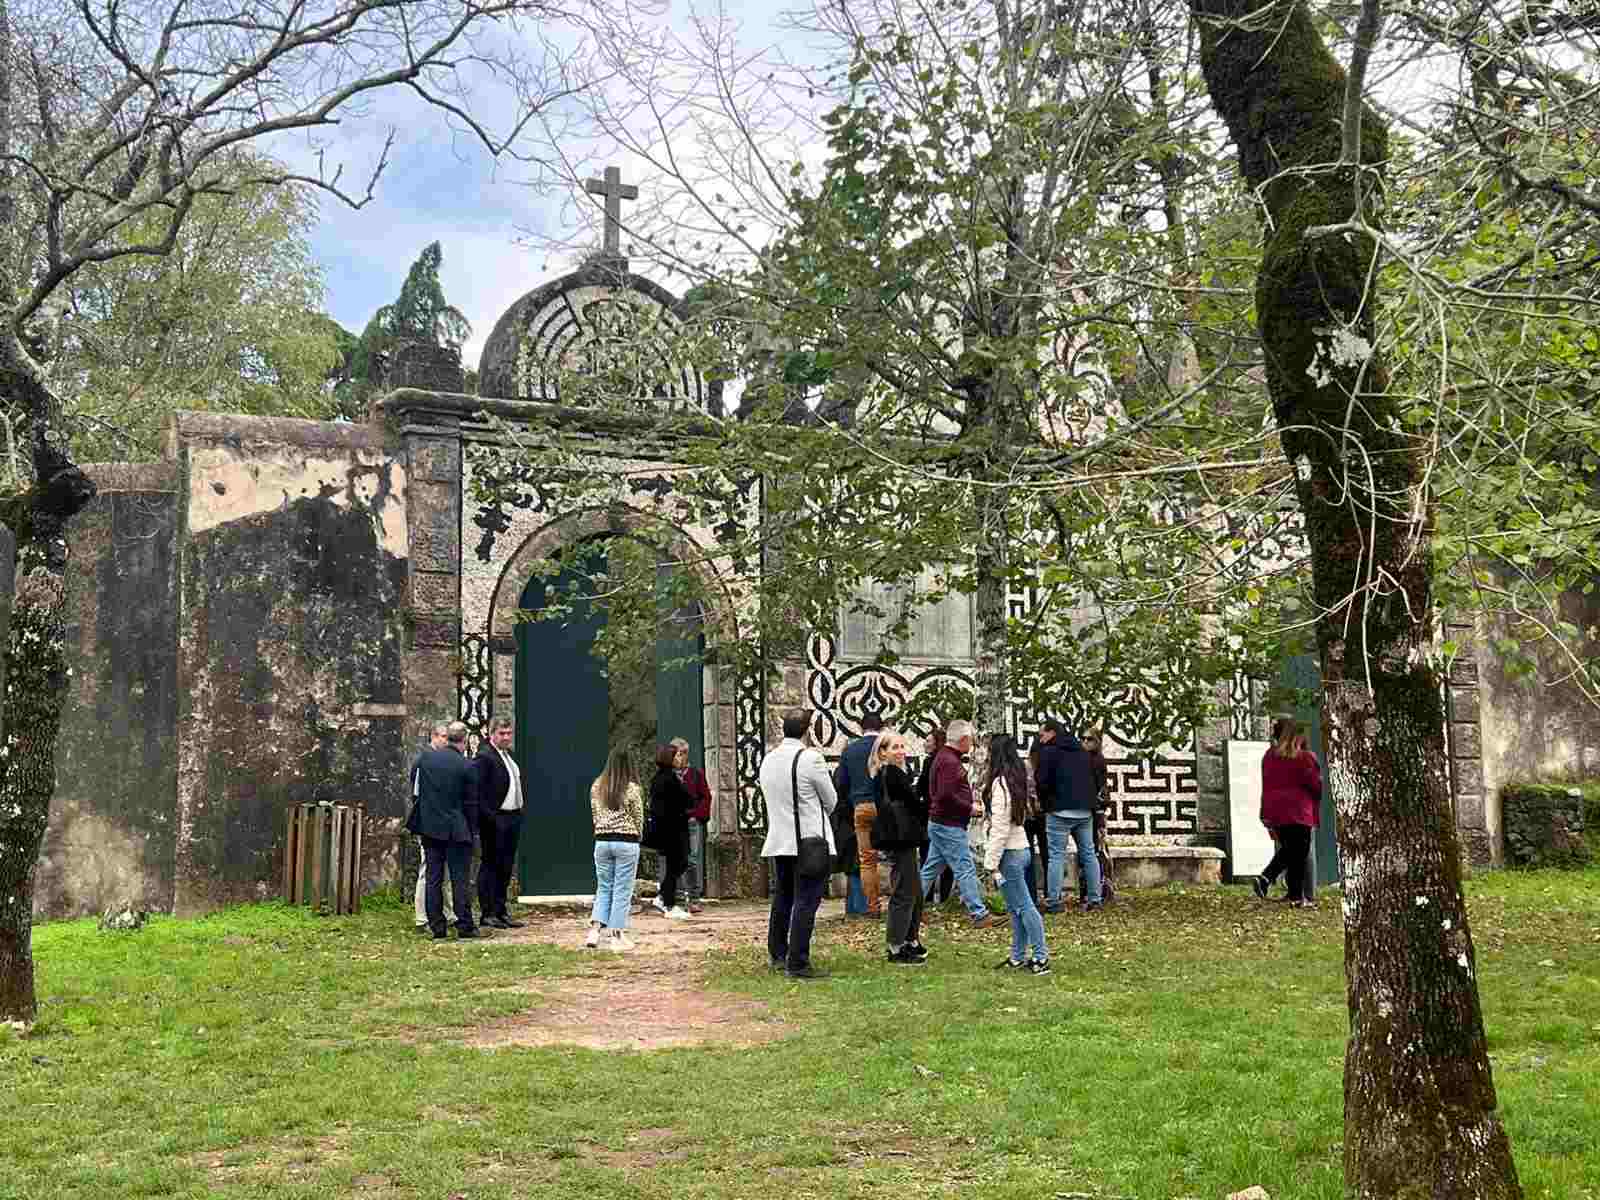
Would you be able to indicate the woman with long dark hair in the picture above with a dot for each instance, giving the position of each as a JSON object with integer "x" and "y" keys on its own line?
{"x": 899, "y": 828}
{"x": 616, "y": 802}
{"x": 1291, "y": 793}
{"x": 670, "y": 806}
{"x": 1006, "y": 855}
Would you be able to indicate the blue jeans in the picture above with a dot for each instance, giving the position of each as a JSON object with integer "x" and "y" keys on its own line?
{"x": 615, "y": 865}
{"x": 855, "y": 900}
{"x": 947, "y": 845}
{"x": 1027, "y": 926}
{"x": 1056, "y": 828}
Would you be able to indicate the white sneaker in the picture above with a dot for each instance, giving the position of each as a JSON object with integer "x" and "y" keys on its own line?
{"x": 592, "y": 938}
{"x": 619, "y": 942}
{"x": 659, "y": 907}
{"x": 678, "y": 913}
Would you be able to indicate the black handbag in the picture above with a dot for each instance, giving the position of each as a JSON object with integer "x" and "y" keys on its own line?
{"x": 812, "y": 859}
{"x": 414, "y": 818}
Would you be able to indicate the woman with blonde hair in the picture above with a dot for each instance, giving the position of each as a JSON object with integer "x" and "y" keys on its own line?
{"x": 616, "y": 802}
{"x": 899, "y": 828}
{"x": 1291, "y": 793}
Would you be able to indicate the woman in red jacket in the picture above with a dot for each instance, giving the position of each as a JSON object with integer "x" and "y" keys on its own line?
{"x": 1291, "y": 794}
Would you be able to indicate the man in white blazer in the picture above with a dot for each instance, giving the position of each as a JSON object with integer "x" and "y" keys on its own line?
{"x": 794, "y": 897}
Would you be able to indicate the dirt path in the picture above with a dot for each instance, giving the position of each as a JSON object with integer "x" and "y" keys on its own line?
{"x": 652, "y": 997}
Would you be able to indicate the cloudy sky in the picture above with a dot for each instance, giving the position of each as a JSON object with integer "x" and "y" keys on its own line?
{"x": 440, "y": 185}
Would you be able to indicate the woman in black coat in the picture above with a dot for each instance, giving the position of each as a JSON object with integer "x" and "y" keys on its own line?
{"x": 901, "y": 828}
{"x": 670, "y": 805}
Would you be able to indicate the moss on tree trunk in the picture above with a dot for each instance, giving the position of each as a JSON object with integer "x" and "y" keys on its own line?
{"x": 1420, "y": 1116}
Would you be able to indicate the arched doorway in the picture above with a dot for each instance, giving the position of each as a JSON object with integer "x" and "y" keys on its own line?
{"x": 572, "y": 707}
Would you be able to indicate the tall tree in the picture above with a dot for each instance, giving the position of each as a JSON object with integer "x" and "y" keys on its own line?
{"x": 1420, "y": 1109}
{"x": 111, "y": 117}
{"x": 419, "y": 318}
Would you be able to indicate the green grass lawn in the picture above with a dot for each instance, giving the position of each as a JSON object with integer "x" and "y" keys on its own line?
{"x": 1188, "y": 1044}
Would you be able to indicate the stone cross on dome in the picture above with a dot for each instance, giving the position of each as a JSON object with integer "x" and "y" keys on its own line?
{"x": 615, "y": 192}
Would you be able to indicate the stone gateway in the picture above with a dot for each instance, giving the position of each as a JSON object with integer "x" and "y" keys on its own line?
{"x": 279, "y": 610}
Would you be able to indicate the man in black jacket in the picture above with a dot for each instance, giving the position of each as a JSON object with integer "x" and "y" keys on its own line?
{"x": 497, "y": 784}
{"x": 1066, "y": 788}
{"x": 442, "y": 785}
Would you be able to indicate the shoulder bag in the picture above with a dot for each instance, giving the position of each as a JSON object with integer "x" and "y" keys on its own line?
{"x": 811, "y": 853}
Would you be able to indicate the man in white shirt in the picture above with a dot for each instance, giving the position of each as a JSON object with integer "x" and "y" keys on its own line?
{"x": 500, "y": 812}
{"x": 788, "y": 768}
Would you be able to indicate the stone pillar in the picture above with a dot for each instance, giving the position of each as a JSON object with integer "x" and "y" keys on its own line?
{"x": 8, "y": 584}
{"x": 430, "y": 444}
{"x": 1211, "y": 772}
{"x": 1465, "y": 742}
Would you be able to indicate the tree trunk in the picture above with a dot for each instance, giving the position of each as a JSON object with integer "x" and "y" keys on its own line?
{"x": 36, "y": 680}
{"x": 1420, "y": 1116}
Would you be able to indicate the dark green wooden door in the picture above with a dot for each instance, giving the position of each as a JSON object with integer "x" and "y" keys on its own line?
{"x": 679, "y": 706}
{"x": 1304, "y": 674}
{"x": 562, "y": 714}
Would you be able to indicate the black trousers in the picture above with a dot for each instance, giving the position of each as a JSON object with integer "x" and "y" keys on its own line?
{"x": 905, "y": 896}
{"x": 674, "y": 862}
{"x": 794, "y": 914}
{"x": 500, "y": 832}
{"x": 1294, "y": 849}
{"x": 436, "y": 855}
{"x": 1038, "y": 868}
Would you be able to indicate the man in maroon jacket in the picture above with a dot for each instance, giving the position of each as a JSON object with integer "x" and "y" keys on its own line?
{"x": 950, "y": 810}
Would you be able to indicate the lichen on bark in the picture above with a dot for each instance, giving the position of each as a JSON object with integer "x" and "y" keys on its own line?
{"x": 1420, "y": 1117}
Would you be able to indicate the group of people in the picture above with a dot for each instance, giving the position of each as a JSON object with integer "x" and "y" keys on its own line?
{"x": 671, "y": 821}
{"x": 926, "y": 828}
{"x": 457, "y": 804}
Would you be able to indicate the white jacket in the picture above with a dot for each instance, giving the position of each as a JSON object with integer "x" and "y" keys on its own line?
{"x": 816, "y": 798}
{"x": 1003, "y": 835}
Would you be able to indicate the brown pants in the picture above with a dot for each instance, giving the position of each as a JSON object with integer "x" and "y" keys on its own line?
{"x": 863, "y": 816}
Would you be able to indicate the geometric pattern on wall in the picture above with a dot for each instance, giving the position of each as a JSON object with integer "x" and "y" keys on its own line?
{"x": 474, "y": 682}
{"x": 750, "y": 747}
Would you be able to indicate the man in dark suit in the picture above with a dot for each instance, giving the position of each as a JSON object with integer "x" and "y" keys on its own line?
{"x": 443, "y": 787}
{"x": 497, "y": 783}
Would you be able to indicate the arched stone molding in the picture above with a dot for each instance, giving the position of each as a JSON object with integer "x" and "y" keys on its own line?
{"x": 720, "y": 684}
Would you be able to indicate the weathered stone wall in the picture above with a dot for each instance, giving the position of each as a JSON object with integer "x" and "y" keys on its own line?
{"x": 291, "y": 630}
{"x": 1530, "y": 728}
{"x": 113, "y": 823}
{"x": 1544, "y": 826}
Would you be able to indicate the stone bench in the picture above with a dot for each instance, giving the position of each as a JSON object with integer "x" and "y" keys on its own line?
{"x": 1152, "y": 866}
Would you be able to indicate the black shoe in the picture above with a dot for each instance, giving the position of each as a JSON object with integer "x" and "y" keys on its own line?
{"x": 777, "y": 964}
{"x": 806, "y": 972}
{"x": 472, "y": 933}
{"x": 438, "y": 936}
{"x": 906, "y": 957}
{"x": 492, "y": 923}
{"x": 1009, "y": 964}
{"x": 509, "y": 922}
{"x": 916, "y": 948}
{"x": 1259, "y": 885}
{"x": 1038, "y": 967}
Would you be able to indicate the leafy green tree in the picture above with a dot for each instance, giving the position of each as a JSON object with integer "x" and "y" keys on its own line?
{"x": 419, "y": 318}
{"x": 228, "y": 321}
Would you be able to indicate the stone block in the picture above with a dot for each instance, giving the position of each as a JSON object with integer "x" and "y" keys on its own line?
{"x": 1465, "y": 740}
{"x": 1464, "y": 670}
{"x": 1468, "y": 775}
{"x": 435, "y": 540}
{"x": 435, "y": 460}
{"x": 435, "y": 592}
{"x": 1211, "y": 774}
{"x": 436, "y": 631}
{"x": 505, "y": 675}
{"x": 1477, "y": 847}
{"x": 1469, "y": 811}
{"x": 429, "y": 368}
{"x": 725, "y": 726}
{"x": 1464, "y": 703}
{"x": 1211, "y": 812}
